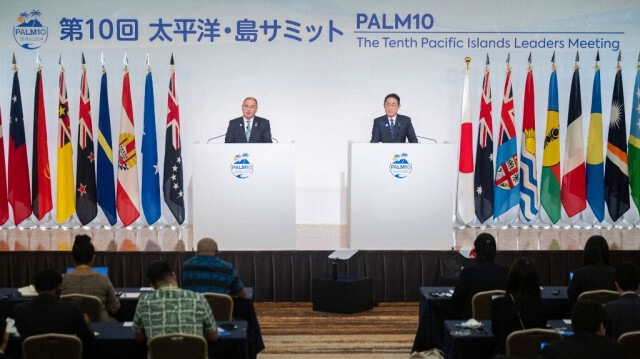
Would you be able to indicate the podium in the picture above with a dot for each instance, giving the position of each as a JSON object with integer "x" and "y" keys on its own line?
{"x": 401, "y": 195}
{"x": 244, "y": 195}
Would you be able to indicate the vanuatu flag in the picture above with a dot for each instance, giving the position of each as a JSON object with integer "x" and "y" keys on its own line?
{"x": 550, "y": 178}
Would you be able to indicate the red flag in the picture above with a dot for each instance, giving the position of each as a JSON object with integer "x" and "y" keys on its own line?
{"x": 4, "y": 205}
{"x": 127, "y": 195}
{"x": 40, "y": 171}
{"x": 19, "y": 191}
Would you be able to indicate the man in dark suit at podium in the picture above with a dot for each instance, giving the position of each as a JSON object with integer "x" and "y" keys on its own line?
{"x": 391, "y": 127}
{"x": 249, "y": 128}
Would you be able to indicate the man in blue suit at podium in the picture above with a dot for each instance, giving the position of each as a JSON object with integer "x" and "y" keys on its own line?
{"x": 392, "y": 128}
{"x": 249, "y": 128}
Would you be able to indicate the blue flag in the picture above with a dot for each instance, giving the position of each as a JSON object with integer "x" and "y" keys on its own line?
{"x": 105, "y": 181}
{"x": 595, "y": 161}
{"x": 150, "y": 178}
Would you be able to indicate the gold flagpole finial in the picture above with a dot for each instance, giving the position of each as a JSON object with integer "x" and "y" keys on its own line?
{"x": 13, "y": 61}
{"x": 148, "y": 66}
{"x": 102, "y": 62}
{"x": 38, "y": 62}
{"x": 529, "y": 67}
{"x": 597, "y": 60}
{"x": 486, "y": 64}
{"x": 172, "y": 63}
{"x": 576, "y": 66}
{"x": 467, "y": 60}
{"x": 60, "y": 63}
{"x": 618, "y": 68}
{"x": 508, "y": 62}
{"x": 553, "y": 61}
{"x": 126, "y": 63}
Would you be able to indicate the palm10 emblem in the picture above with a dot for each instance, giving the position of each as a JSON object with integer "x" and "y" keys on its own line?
{"x": 30, "y": 34}
{"x": 241, "y": 167}
{"x": 400, "y": 167}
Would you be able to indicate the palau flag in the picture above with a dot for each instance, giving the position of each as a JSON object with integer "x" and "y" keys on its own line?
{"x": 18, "y": 176}
{"x": 172, "y": 183}
{"x": 465, "y": 202}
{"x": 66, "y": 204}
{"x": 4, "y": 204}
{"x": 573, "y": 178}
{"x": 528, "y": 167}
{"x": 550, "y": 177}
{"x": 595, "y": 158}
{"x": 40, "y": 170}
{"x": 127, "y": 195}
{"x": 616, "y": 178}
{"x": 106, "y": 191}
{"x": 86, "y": 205}
{"x": 507, "y": 178}
{"x": 634, "y": 144}
{"x": 483, "y": 177}
{"x": 150, "y": 176}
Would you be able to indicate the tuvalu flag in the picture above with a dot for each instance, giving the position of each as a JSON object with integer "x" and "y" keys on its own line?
{"x": 465, "y": 202}
{"x": 87, "y": 208}
{"x": 173, "y": 187}
{"x": 634, "y": 143}
{"x": 127, "y": 195}
{"x": 616, "y": 178}
{"x": 40, "y": 170}
{"x": 507, "y": 178}
{"x": 66, "y": 204}
{"x": 106, "y": 190}
{"x": 483, "y": 176}
{"x": 18, "y": 176}
{"x": 595, "y": 158}
{"x": 528, "y": 167}
{"x": 4, "y": 204}
{"x": 150, "y": 175}
{"x": 550, "y": 177}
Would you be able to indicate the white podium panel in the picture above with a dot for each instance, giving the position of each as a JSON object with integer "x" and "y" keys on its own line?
{"x": 244, "y": 195}
{"x": 401, "y": 195}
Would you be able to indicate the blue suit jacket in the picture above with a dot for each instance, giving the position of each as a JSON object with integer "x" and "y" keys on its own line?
{"x": 403, "y": 130}
{"x": 260, "y": 133}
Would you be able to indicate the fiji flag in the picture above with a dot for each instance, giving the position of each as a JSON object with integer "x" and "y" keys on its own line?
{"x": 507, "y": 178}
{"x": 616, "y": 179}
{"x": 528, "y": 168}
{"x": 173, "y": 187}
{"x": 19, "y": 187}
{"x": 483, "y": 180}
{"x": 106, "y": 190}
{"x": 634, "y": 144}
{"x": 595, "y": 160}
{"x": 150, "y": 177}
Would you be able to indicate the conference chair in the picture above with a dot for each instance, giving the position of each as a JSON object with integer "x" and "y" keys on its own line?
{"x": 89, "y": 304}
{"x": 481, "y": 304}
{"x": 630, "y": 343}
{"x": 52, "y": 346}
{"x": 184, "y": 346}
{"x": 221, "y": 305}
{"x": 601, "y": 296}
{"x": 527, "y": 343}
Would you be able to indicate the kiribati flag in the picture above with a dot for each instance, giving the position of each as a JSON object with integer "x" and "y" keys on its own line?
{"x": 528, "y": 167}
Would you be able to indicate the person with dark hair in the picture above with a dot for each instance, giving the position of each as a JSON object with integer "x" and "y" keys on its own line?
{"x": 84, "y": 280}
{"x": 249, "y": 128}
{"x": 521, "y": 307}
{"x": 623, "y": 314}
{"x": 170, "y": 309}
{"x": 588, "y": 340}
{"x": 392, "y": 127}
{"x": 482, "y": 276}
{"x": 595, "y": 273}
{"x": 47, "y": 314}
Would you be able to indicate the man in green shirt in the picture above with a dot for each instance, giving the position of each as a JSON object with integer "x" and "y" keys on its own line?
{"x": 170, "y": 309}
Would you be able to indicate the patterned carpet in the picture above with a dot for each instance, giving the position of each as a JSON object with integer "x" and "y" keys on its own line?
{"x": 294, "y": 330}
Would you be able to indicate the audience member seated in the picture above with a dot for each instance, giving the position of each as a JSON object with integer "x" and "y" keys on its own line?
{"x": 84, "y": 280}
{"x": 623, "y": 314}
{"x": 482, "y": 276}
{"x": 170, "y": 309}
{"x": 595, "y": 273}
{"x": 47, "y": 314}
{"x": 588, "y": 340}
{"x": 521, "y": 307}
{"x": 206, "y": 272}
{"x": 4, "y": 339}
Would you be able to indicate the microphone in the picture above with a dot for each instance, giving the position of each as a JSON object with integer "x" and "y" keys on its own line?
{"x": 213, "y": 138}
{"x": 428, "y": 138}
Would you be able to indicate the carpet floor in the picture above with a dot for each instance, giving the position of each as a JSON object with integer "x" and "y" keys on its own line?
{"x": 294, "y": 330}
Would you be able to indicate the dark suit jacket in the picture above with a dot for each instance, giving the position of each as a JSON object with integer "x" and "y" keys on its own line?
{"x": 623, "y": 315}
{"x": 479, "y": 277}
{"x": 403, "y": 130}
{"x": 582, "y": 346}
{"x": 260, "y": 133}
{"x": 505, "y": 319}
{"x": 45, "y": 314}
{"x": 593, "y": 277}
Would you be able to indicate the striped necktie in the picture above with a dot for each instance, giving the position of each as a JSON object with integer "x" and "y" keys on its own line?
{"x": 393, "y": 127}
{"x": 247, "y": 130}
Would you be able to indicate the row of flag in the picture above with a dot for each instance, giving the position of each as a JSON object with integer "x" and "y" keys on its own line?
{"x": 119, "y": 198}
{"x": 586, "y": 188}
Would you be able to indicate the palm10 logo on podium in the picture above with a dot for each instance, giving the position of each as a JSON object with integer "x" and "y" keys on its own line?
{"x": 241, "y": 167}
{"x": 400, "y": 167}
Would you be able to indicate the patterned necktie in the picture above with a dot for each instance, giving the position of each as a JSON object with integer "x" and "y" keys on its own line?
{"x": 393, "y": 127}
{"x": 247, "y": 130}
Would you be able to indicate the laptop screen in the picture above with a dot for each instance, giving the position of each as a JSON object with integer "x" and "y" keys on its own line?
{"x": 101, "y": 270}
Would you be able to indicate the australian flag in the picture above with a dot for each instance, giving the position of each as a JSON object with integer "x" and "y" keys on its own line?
{"x": 172, "y": 180}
